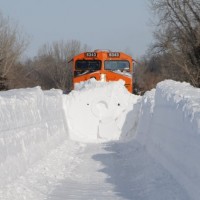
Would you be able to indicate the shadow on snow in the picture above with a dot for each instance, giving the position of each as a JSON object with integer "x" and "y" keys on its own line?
{"x": 136, "y": 176}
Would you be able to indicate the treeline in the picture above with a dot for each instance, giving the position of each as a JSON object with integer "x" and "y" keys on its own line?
{"x": 49, "y": 68}
{"x": 175, "y": 53}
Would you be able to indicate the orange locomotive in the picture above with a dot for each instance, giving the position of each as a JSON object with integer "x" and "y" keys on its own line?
{"x": 103, "y": 65}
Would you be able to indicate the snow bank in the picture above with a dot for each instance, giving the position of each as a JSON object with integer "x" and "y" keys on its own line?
{"x": 98, "y": 111}
{"x": 169, "y": 127}
{"x": 31, "y": 124}
{"x": 165, "y": 120}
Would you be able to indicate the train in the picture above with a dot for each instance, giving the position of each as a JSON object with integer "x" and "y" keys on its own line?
{"x": 103, "y": 65}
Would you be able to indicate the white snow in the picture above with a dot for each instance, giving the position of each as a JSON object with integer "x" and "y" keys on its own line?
{"x": 172, "y": 132}
{"x": 32, "y": 123}
{"x": 96, "y": 111}
{"x": 42, "y": 154}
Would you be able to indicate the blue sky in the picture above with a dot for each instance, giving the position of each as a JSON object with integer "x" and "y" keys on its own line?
{"x": 101, "y": 24}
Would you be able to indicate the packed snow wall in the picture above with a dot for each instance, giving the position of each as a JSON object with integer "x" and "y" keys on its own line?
{"x": 100, "y": 111}
{"x": 169, "y": 128}
{"x": 32, "y": 123}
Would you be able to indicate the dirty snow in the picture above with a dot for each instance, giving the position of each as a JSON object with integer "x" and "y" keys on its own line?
{"x": 100, "y": 142}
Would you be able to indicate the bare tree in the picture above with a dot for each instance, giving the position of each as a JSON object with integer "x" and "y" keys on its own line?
{"x": 11, "y": 47}
{"x": 51, "y": 63}
{"x": 147, "y": 73}
{"x": 178, "y": 36}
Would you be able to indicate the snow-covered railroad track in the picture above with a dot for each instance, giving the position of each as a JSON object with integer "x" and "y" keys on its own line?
{"x": 118, "y": 171}
{"x": 100, "y": 142}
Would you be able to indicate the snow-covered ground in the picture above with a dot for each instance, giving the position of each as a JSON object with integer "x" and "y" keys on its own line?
{"x": 100, "y": 142}
{"x": 32, "y": 123}
{"x": 172, "y": 132}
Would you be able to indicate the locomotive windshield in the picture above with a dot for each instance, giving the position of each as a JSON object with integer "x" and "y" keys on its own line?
{"x": 91, "y": 65}
{"x": 115, "y": 65}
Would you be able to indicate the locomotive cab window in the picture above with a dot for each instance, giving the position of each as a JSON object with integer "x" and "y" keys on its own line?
{"x": 114, "y": 65}
{"x": 88, "y": 65}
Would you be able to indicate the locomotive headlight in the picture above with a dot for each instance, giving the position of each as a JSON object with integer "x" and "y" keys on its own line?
{"x": 103, "y": 78}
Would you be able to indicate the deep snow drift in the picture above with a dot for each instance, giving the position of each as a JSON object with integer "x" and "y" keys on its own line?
{"x": 32, "y": 123}
{"x": 100, "y": 111}
{"x": 171, "y": 132}
{"x": 35, "y": 127}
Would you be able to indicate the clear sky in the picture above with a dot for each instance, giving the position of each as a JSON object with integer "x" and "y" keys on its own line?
{"x": 117, "y": 25}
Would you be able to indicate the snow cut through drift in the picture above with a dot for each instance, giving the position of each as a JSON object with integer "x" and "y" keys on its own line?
{"x": 97, "y": 111}
{"x": 161, "y": 162}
